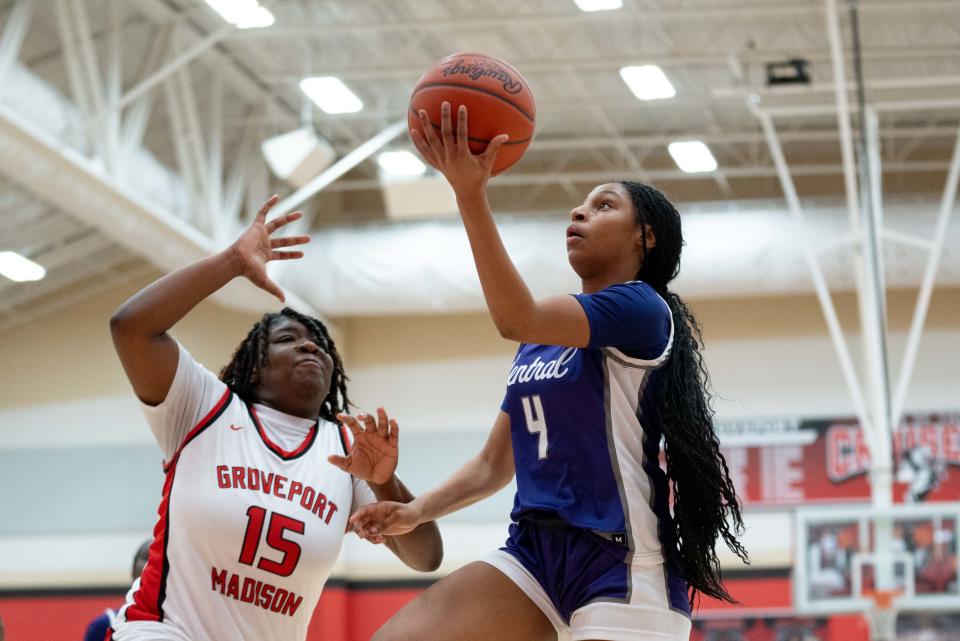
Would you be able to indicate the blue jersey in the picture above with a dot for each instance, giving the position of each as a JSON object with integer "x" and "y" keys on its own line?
{"x": 585, "y": 444}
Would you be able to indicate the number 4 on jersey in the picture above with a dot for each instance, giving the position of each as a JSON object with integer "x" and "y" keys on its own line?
{"x": 536, "y": 422}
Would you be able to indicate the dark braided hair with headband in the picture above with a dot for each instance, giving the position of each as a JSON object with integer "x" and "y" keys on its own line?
{"x": 241, "y": 373}
{"x": 705, "y": 504}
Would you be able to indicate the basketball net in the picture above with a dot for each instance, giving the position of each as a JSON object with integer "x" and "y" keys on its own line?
{"x": 882, "y": 615}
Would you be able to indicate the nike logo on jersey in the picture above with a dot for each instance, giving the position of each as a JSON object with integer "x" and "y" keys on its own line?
{"x": 236, "y": 428}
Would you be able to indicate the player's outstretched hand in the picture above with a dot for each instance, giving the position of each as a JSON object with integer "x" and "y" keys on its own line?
{"x": 386, "y": 518}
{"x": 451, "y": 155}
{"x": 375, "y": 451}
{"x": 255, "y": 247}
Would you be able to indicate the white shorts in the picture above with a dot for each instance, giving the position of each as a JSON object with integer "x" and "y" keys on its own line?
{"x": 146, "y": 631}
{"x": 647, "y": 617}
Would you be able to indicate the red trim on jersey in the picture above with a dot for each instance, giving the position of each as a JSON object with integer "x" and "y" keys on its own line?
{"x": 204, "y": 422}
{"x": 147, "y": 602}
{"x": 109, "y": 636}
{"x": 276, "y": 449}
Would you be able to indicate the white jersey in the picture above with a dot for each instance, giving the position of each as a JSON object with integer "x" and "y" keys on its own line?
{"x": 251, "y": 520}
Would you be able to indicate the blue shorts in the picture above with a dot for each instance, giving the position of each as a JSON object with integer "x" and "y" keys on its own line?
{"x": 587, "y": 590}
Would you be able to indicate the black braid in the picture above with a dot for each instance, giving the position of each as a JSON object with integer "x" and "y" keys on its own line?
{"x": 704, "y": 496}
{"x": 240, "y": 374}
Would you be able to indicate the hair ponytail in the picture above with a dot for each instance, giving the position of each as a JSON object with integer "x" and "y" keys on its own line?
{"x": 705, "y": 504}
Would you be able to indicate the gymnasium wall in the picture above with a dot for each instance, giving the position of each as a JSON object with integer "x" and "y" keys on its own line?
{"x": 69, "y": 355}
{"x": 81, "y": 476}
{"x": 767, "y": 357}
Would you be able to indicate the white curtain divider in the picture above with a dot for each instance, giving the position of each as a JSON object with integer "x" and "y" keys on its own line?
{"x": 739, "y": 250}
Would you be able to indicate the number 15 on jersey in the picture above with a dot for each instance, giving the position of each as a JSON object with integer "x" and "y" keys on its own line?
{"x": 536, "y": 422}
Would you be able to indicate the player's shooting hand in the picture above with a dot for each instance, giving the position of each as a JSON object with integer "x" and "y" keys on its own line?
{"x": 255, "y": 247}
{"x": 451, "y": 155}
{"x": 375, "y": 451}
{"x": 386, "y": 518}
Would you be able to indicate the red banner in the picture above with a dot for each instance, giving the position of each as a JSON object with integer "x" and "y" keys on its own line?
{"x": 827, "y": 461}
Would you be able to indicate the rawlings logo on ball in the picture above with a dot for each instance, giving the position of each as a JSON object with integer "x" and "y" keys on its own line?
{"x": 496, "y": 94}
{"x": 476, "y": 71}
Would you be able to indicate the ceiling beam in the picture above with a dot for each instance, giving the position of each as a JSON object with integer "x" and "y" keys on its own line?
{"x": 729, "y": 138}
{"x": 339, "y": 168}
{"x": 756, "y": 171}
{"x": 774, "y": 11}
{"x": 241, "y": 79}
{"x": 14, "y": 31}
{"x": 34, "y": 159}
{"x": 702, "y": 59}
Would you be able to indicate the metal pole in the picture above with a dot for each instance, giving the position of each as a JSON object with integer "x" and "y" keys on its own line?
{"x": 148, "y": 83}
{"x": 71, "y": 57}
{"x": 339, "y": 168}
{"x": 849, "y": 171}
{"x": 114, "y": 86}
{"x": 873, "y": 314}
{"x": 329, "y": 175}
{"x": 883, "y": 105}
{"x": 135, "y": 123}
{"x": 164, "y": 72}
{"x": 873, "y": 322}
{"x": 14, "y": 32}
{"x": 88, "y": 57}
{"x": 876, "y": 189}
{"x": 185, "y": 160}
{"x": 910, "y": 241}
{"x": 926, "y": 286}
{"x": 819, "y": 282}
{"x": 219, "y": 221}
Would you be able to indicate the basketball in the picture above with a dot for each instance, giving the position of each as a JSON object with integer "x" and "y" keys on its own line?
{"x": 497, "y": 97}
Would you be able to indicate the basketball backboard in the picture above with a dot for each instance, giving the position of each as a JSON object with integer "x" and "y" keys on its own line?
{"x": 838, "y": 563}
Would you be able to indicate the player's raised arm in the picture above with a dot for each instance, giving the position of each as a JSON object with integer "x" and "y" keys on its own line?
{"x": 554, "y": 320}
{"x": 139, "y": 326}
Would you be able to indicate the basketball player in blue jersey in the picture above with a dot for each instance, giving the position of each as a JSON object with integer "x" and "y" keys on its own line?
{"x": 598, "y": 380}
{"x": 260, "y": 479}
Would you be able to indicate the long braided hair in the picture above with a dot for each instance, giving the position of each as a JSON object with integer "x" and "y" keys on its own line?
{"x": 240, "y": 374}
{"x": 705, "y": 505}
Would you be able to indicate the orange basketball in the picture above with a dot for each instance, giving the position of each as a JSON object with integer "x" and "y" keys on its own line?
{"x": 497, "y": 97}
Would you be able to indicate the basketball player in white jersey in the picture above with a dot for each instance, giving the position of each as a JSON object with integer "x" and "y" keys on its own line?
{"x": 260, "y": 480}
{"x": 594, "y": 553}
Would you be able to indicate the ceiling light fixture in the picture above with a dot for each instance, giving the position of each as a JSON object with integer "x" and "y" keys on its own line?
{"x": 297, "y": 156}
{"x": 331, "y": 95}
{"x": 692, "y": 156}
{"x": 598, "y": 5}
{"x": 18, "y": 268}
{"x": 648, "y": 82}
{"x": 400, "y": 163}
{"x": 243, "y": 14}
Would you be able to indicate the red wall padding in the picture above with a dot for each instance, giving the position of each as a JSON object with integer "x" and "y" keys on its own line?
{"x": 353, "y": 614}
{"x": 52, "y": 618}
{"x": 759, "y": 592}
{"x": 343, "y": 614}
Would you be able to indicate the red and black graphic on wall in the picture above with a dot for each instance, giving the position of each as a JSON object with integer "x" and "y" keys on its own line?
{"x": 765, "y": 628}
{"x": 827, "y": 461}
